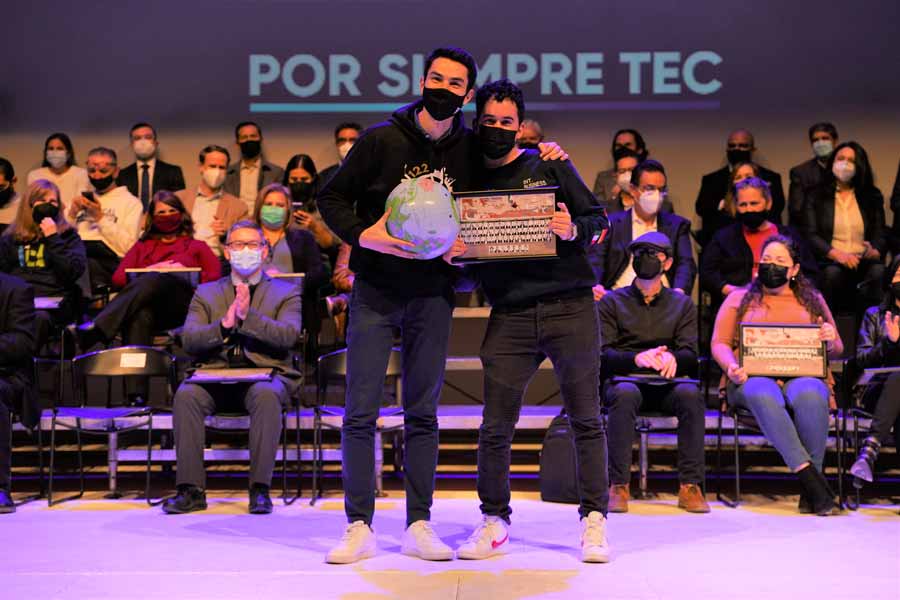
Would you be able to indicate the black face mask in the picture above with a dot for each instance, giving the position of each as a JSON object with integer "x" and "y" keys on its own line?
{"x": 752, "y": 220}
{"x": 646, "y": 265}
{"x": 251, "y": 149}
{"x": 441, "y": 103}
{"x": 738, "y": 156}
{"x": 895, "y": 290}
{"x": 5, "y": 195}
{"x": 43, "y": 211}
{"x": 102, "y": 184}
{"x": 301, "y": 191}
{"x": 772, "y": 276}
{"x": 496, "y": 142}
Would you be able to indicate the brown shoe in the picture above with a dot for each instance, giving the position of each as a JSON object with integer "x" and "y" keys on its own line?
{"x": 691, "y": 499}
{"x": 618, "y": 498}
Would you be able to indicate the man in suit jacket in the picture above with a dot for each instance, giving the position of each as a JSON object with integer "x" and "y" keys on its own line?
{"x": 16, "y": 352}
{"x": 213, "y": 209}
{"x": 252, "y": 173}
{"x": 611, "y": 260}
{"x": 823, "y": 137}
{"x": 160, "y": 175}
{"x": 714, "y": 186}
{"x": 243, "y": 320}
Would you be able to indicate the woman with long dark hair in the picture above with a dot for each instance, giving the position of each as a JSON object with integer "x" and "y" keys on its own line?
{"x": 879, "y": 346}
{"x": 58, "y": 166}
{"x": 302, "y": 179}
{"x": 781, "y": 294}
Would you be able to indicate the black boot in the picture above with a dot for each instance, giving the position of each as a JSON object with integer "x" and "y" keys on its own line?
{"x": 865, "y": 462}
{"x": 818, "y": 494}
{"x": 6, "y": 502}
{"x": 260, "y": 503}
{"x": 190, "y": 498}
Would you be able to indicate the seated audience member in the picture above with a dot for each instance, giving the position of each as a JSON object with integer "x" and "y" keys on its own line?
{"x": 301, "y": 177}
{"x": 621, "y": 198}
{"x": 530, "y": 134}
{"x": 148, "y": 175}
{"x": 731, "y": 260}
{"x": 108, "y": 220}
{"x": 290, "y": 250}
{"x": 212, "y": 209}
{"x": 809, "y": 175}
{"x": 58, "y": 167}
{"x": 42, "y": 249}
{"x": 845, "y": 227}
{"x": 611, "y": 260}
{"x": 245, "y": 319}
{"x": 153, "y": 302}
{"x": 792, "y": 412}
{"x": 879, "y": 346}
{"x": 623, "y": 139}
{"x": 649, "y": 329}
{"x": 741, "y": 171}
{"x": 345, "y": 135}
{"x": 9, "y": 199}
{"x": 710, "y": 205}
{"x": 16, "y": 385}
{"x": 253, "y": 172}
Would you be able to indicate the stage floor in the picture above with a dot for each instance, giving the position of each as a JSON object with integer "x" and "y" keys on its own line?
{"x": 764, "y": 549}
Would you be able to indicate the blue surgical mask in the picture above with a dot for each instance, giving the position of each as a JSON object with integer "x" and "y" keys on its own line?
{"x": 822, "y": 148}
{"x": 245, "y": 262}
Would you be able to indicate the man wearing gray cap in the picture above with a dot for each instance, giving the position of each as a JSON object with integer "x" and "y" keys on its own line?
{"x": 649, "y": 337}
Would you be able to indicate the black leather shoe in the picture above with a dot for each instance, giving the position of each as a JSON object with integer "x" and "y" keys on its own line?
{"x": 189, "y": 498}
{"x": 6, "y": 502}
{"x": 260, "y": 503}
{"x": 87, "y": 336}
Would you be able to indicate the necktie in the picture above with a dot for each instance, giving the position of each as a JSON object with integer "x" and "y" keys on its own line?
{"x": 145, "y": 185}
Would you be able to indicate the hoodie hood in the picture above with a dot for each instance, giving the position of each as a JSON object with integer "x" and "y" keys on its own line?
{"x": 406, "y": 120}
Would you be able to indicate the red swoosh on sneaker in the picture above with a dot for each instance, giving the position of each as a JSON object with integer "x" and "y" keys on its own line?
{"x": 496, "y": 544}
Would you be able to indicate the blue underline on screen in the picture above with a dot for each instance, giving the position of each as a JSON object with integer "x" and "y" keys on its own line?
{"x": 381, "y": 107}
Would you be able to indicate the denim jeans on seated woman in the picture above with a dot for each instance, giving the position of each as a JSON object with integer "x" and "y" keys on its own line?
{"x": 794, "y": 418}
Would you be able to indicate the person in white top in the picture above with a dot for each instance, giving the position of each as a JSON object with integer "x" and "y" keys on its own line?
{"x": 108, "y": 219}
{"x": 9, "y": 199}
{"x": 59, "y": 167}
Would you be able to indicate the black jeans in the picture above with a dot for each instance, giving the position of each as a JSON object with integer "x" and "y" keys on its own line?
{"x": 624, "y": 399}
{"x": 425, "y": 326}
{"x": 839, "y": 286}
{"x": 149, "y": 303}
{"x": 517, "y": 341}
{"x": 102, "y": 262}
{"x": 886, "y": 413}
{"x": 8, "y": 393}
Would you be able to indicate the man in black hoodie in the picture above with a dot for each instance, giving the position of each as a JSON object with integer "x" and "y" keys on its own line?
{"x": 425, "y": 140}
{"x": 541, "y": 308}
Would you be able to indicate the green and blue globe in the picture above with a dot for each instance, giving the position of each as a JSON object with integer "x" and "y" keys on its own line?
{"x": 423, "y": 212}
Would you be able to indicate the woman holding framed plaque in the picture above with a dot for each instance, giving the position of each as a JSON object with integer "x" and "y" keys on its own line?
{"x": 787, "y": 386}
{"x": 879, "y": 347}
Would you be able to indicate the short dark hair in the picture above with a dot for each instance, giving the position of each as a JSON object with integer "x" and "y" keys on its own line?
{"x": 500, "y": 90}
{"x": 246, "y": 224}
{"x": 456, "y": 55}
{"x": 6, "y": 169}
{"x": 648, "y": 166}
{"x": 305, "y": 162}
{"x": 346, "y": 125}
{"x": 244, "y": 124}
{"x": 864, "y": 179}
{"x": 104, "y": 151}
{"x": 139, "y": 125}
{"x": 214, "y": 148}
{"x": 66, "y": 141}
{"x": 638, "y": 139}
{"x": 626, "y": 153}
{"x": 825, "y": 126}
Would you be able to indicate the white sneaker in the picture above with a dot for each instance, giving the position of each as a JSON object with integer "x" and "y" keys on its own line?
{"x": 421, "y": 541}
{"x": 357, "y": 543}
{"x": 594, "y": 545}
{"x": 490, "y": 538}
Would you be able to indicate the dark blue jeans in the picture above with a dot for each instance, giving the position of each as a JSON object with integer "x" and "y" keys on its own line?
{"x": 425, "y": 327}
{"x": 517, "y": 341}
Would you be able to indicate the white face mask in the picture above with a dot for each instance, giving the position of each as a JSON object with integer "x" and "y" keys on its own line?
{"x": 650, "y": 201}
{"x": 624, "y": 179}
{"x": 57, "y": 158}
{"x": 822, "y": 148}
{"x": 344, "y": 149}
{"x": 214, "y": 177}
{"x": 144, "y": 148}
{"x": 844, "y": 170}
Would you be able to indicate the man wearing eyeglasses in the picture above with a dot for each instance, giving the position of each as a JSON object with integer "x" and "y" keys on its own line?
{"x": 243, "y": 320}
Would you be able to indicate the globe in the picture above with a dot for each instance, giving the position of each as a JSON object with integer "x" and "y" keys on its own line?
{"x": 423, "y": 212}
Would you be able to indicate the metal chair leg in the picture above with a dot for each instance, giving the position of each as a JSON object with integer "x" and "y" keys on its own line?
{"x": 643, "y": 443}
{"x": 737, "y": 464}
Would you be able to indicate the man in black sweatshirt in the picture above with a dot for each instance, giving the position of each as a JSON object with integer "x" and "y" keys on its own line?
{"x": 425, "y": 140}
{"x": 541, "y": 308}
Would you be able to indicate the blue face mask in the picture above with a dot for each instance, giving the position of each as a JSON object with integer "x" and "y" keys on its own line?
{"x": 245, "y": 262}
